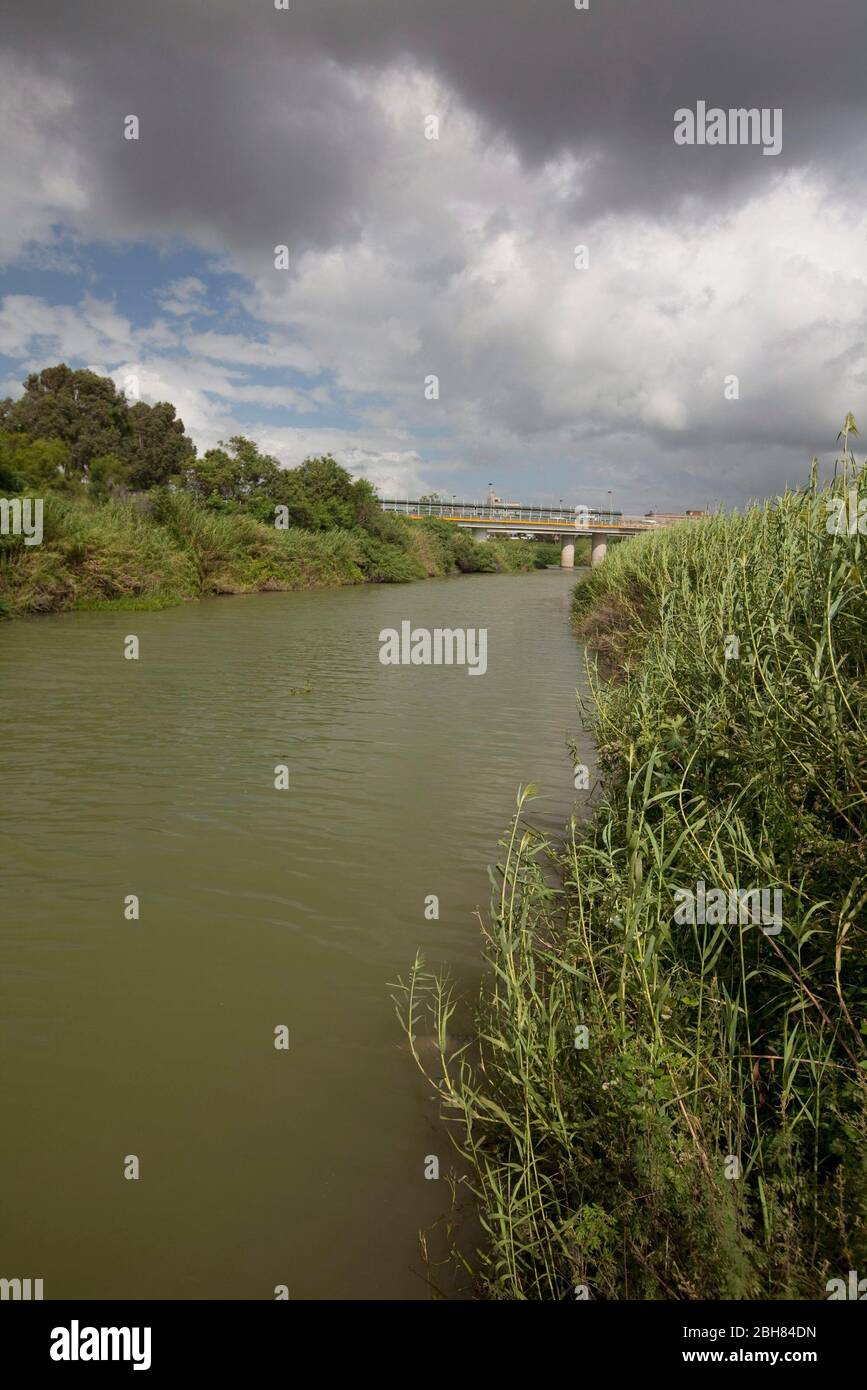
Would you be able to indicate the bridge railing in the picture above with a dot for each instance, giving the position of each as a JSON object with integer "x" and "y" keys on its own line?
{"x": 487, "y": 511}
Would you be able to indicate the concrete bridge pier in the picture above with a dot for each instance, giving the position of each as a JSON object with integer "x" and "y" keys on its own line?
{"x": 482, "y": 536}
{"x": 598, "y": 548}
{"x": 567, "y": 555}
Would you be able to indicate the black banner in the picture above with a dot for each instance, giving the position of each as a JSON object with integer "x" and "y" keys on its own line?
{"x": 211, "y": 1339}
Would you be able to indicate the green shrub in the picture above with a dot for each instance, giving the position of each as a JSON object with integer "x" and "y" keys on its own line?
{"x": 383, "y": 563}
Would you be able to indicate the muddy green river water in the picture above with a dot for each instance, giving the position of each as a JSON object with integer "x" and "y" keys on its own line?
{"x": 258, "y": 908}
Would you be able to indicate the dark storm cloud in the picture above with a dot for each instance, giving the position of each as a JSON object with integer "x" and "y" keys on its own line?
{"x": 252, "y": 124}
{"x": 244, "y": 143}
{"x": 607, "y": 81}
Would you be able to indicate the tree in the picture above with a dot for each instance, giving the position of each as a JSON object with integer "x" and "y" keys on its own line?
{"x": 39, "y": 463}
{"x": 235, "y": 473}
{"x": 92, "y": 419}
{"x": 156, "y": 446}
{"x": 324, "y": 492}
{"x": 10, "y": 479}
{"x": 107, "y": 474}
{"x": 86, "y": 412}
{"x": 365, "y": 500}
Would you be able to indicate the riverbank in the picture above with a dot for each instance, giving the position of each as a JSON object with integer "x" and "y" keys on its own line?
{"x": 666, "y": 1093}
{"x": 154, "y": 551}
{"x": 134, "y": 517}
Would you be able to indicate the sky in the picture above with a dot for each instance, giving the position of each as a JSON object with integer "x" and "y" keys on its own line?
{"x": 558, "y": 374}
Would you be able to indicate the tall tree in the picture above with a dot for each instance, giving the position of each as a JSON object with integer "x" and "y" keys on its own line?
{"x": 156, "y": 446}
{"x": 234, "y": 473}
{"x": 324, "y": 491}
{"x": 83, "y": 410}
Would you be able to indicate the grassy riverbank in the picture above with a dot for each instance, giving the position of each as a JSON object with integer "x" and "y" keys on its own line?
{"x": 706, "y": 1136}
{"x": 161, "y": 549}
{"x": 135, "y": 517}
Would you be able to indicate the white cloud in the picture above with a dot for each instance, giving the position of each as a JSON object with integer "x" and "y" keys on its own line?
{"x": 395, "y": 472}
{"x": 249, "y": 352}
{"x": 31, "y": 327}
{"x": 184, "y": 297}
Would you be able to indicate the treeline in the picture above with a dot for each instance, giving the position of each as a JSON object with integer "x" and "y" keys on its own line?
{"x": 134, "y": 515}
{"x": 75, "y": 433}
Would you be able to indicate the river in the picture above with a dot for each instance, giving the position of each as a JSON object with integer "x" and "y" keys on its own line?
{"x": 259, "y": 908}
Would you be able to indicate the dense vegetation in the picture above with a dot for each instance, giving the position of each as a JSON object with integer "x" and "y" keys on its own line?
{"x": 134, "y": 517}
{"x": 707, "y": 1136}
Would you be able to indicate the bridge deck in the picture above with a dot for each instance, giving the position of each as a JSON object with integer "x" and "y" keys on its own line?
{"x": 494, "y": 517}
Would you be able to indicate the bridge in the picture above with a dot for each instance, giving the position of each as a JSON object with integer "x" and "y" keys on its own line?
{"x": 561, "y": 524}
